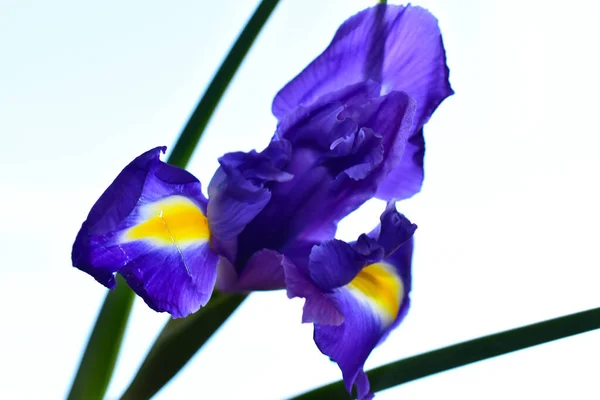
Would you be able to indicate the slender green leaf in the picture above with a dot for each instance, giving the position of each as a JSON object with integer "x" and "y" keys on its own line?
{"x": 97, "y": 364}
{"x": 457, "y": 355}
{"x": 199, "y": 119}
{"x": 177, "y": 343}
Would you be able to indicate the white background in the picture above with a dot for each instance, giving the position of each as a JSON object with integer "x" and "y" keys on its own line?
{"x": 508, "y": 216}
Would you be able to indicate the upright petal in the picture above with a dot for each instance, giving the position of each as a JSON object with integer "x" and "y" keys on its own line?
{"x": 399, "y": 47}
{"x": 343, "y": 146}
{"x": 150, "y": 226}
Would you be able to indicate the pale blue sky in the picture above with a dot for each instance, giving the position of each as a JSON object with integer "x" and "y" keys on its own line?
{"x": 508, "y": 216}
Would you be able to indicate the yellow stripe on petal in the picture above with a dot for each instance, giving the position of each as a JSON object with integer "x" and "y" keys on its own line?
{"x": 173, "y": 220}
{"x": 382, "y": 287}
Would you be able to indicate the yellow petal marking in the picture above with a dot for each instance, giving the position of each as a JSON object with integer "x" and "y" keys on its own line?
{"x": 174, "y": 220}
{"x": 382, "y": 287}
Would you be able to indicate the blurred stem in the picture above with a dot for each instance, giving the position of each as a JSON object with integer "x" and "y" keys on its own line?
{"x": 179, "y": 340}
{"x": 97, "y": 364}
{"x": 382, "y": 1}
{"x": 199, "y": 119}
{"x": 457, "y": 355}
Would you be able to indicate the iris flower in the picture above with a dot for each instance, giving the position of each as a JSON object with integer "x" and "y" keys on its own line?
{"x": 349, "y": 129}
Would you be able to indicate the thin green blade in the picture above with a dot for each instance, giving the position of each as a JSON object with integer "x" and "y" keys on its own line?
{"x": 186, "y": 144}
{"x": 178, "y": 342}
{"x": 98, "y": 361}
{"x": 457, "y": 355}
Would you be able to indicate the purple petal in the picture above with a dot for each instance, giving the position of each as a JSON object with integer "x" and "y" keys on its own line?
{"x": 401, "y": 259}
{"x": 350, "y": 343}
{"x": 234, "y": 202}
{"x": 406, "y": 179}
{"x": 264, "y": 271}
{"x": 341, "y": 149}
{"x": 178, "y": 281}
{"x": 121, "y": 196}
{"x": 317, "y": 116}
{"x": 403, "y": 41}
{"x": 394, "y": 230}
{"x": 363, "y": 386}
{"x": 399, "y": 47}
{"x": 239, "y": 191}
{"x": 366, "y": 284}
{"x": 318, "y": 307}
{"x": 150, "y": 226}
{"x": 335, "y": 263}
{"x": 372, "y": 304}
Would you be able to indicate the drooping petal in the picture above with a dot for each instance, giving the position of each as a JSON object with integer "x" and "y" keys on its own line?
{"x": 365, "y": 284}
{"x": 399, "y": 47}
{"x": 401, "y": 259}
{"x": 150, "y": 226}
{"x": 335, "y": 263}
{"x": 318, "y": 308}
{"x": 176, "y": 280}
{"x": 370, "y": 305}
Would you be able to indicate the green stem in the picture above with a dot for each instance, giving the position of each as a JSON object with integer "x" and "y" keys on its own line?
{"x": 199, "y": 119}
{"x": 179, "y": 340}
{"x": 457, "y": 355}
{"x": 98, "y": 361}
